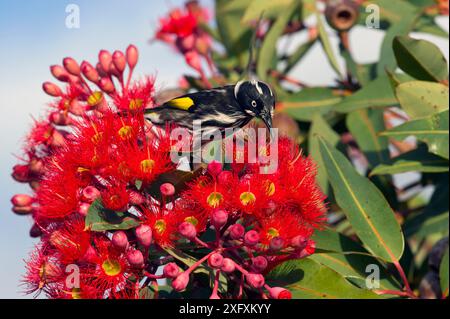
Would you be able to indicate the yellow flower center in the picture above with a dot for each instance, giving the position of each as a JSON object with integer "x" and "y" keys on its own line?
{"x": 192, "y": 220}
{"x": 76, "y": 293}
{"x": 126, "y": 132}
{"x": 111, "y": 267}
{"x": 95, "y": 98}
{"x": 147, "y": 166}
{"x": 160, "y": 226}
{"x": 135, "y": 104}
{"x": 214, "y": 199}
{"x": 270, "y": 188}
{"x": 272, "y": 233}
{"x": 247, "y": 198}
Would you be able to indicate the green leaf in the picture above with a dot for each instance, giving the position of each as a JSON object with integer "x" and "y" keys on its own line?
{"x": 304, "y": 104}
{"x": 364, "y": 206}
{"x": 308, "y": 279}
{"x": 427, "y": 24}
{"x": 267, "y": 53}
{"x": 298, "y": 54}
{"x": 321, "y": 128}
{"x": 348, "y": 258}
{"x": 378, "y": 93}
{"x": 102, "y": 219}
{"x": 421, "y": 59}
{"x": 325, "y": 41}
{"x": 421, "y": 99}
{"x": 365, "y": 126}
{"x": 402, "y": 18}
{"x": 432, "y": 130}
{"x": 443, "y": 274}
{"x": 271, "y": 9}
{"x": 418, "y": 160}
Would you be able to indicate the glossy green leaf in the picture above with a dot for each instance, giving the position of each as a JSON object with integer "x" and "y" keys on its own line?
{"x": 270, "y": 8}
{"x": 364, "y": 206}
{"x": 443, "y": 274}
{"x": 418, "y": 160}
{"x": 348, "y": 258}
{"x": 321, "y": 128}
{"x": 267, "y": 52}
{"x": 420, "y": 58}
{"x": 378, "y": 93}
{"x": 421, "y": 99}
{"x": 365, "y": 126}
{"x": 304, "y": 104}
{"x": 432, "y": 130}
{"x": 102, "y": 219}
{"x": 308, "y": 279}
{"x": 327, "y": 47}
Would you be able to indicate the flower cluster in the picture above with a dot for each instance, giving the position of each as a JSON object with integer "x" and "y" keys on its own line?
{"x": 111, "y": 208}
{"x": 182, "y": 30}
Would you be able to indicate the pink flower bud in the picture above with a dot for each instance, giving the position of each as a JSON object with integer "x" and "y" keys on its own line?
{"x": 219, "y": 218}
{"x": 193, "y": 60}
{"x": 171, "y": 270}
{"x": 237, "y": 231}
{"x": 90, "y": 255}
{"x": 144, "y": 235}
{"x": 22, "y": 200}
{"x": 59, "y": 118}
{"x": 299, "y": 241}
{"x": 132, "y": 55}
{"x": 136, "y": 198}
{"x": 21, "y": 173}
{"x": 187, "y": 230}
{"x": 251, "y": 238}
{"x": 120, "y": 240}
{"x": 259, "y": 263}
{"x": 224, "y": 177}
{"x": 106, "y": 85}
{"x": 59, "y": 73}
{"x": 255, "y": 281}
{"x": 215, "y": 260}
{"x": 51, "y": 89}
{"x": 90, "y": 194}
{"x": 71, "y": 66}
{"x": 309, "y": 249}
{"x": 22, "y": 210}
{"x": 276, "y": 243}
{"x": 89, "y": 72}
{"x": 83, "y": 209}
{"x": 180, "y": 283}
{"x": 113, "y": 71}
{"x": 36, "y": 166}
{"x": 228, "y": 265}
{"x": 167, "y": 189}
{"x": 185, "y": 44}
{"x": 119, "y": 61}
{"x": 105, "y": 59}
{"x": 135, "y": 258}
{"x": 279, "y": 293}
{"x": 214, "y": 168}
{"x": 35, "y": 231}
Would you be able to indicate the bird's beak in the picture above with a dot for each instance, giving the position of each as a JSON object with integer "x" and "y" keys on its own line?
{"x": 267, "y": 119}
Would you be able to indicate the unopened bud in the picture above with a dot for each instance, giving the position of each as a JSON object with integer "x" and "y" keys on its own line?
{"x": 214, "y": 168}
{"x": 171, "y": 270}
{"x": 144, "y": 235}
{"x": 22, "y": 200}
{"x": 167, "y": 189}
{"x": 120, "y": 240}
{"x": 59, "y": 73}
{"x": 106, "y": 85}
{"x": 105, "y": 59}
{"x": 35, "y": 231}
{"x": 259, "y": 263}
{"x": 255, "y": 281}
{"x": 90, "y": 194}
{"x": 219, "y": 218}
{"x": 236, "y": 231}
{"x": 251, "y": 238}
{"x": 22, "y": 210}
{"x": 180, "y": 282}
{"x": 59, "y": 118}
{"x": 89, "y": 72}
{"x": 279, "y": 293}
{"x": 83, "y": 209}
{"x": 119, "y": 61}
{"x": 136, "y": 198}
{"x": 228, "y": 265}
{"x": 51, "y": 89}
{"x": 21, "y": 173}
{"x": 71, "y": 66}
{"x": 299, "y": 241}
{"x": 215, "y": 260}
{"x": 135, "y": 258}
{"x": 187, "y": 230}
{"x": 276, "y": 243}
{"x": 132, "y": 56}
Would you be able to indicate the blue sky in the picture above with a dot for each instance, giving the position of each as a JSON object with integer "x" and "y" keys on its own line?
{"x": 33, "y": 36}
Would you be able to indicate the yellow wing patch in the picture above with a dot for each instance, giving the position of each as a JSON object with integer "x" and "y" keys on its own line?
{"x": 182, "y": 103}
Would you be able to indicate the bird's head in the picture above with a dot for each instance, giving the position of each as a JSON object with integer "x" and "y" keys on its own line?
{"x": 256, "y": 99}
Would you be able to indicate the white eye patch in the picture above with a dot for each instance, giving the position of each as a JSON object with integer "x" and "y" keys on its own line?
{"x": 254, "y": 104}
